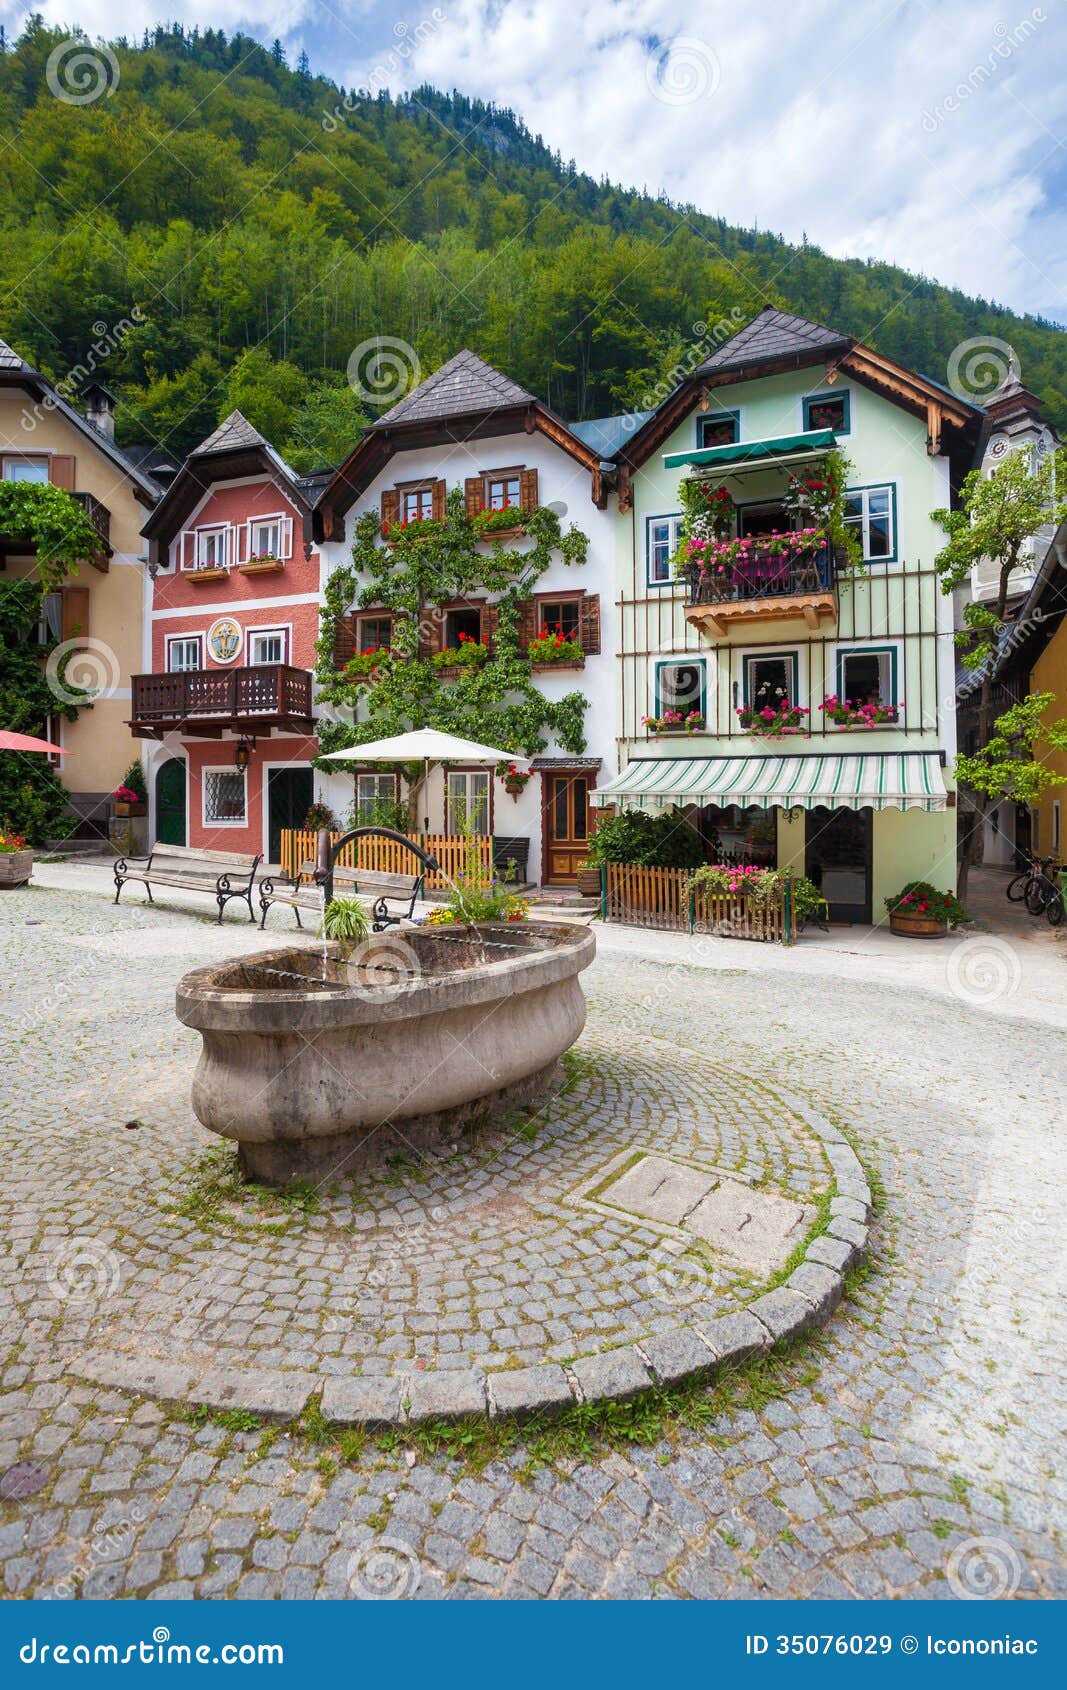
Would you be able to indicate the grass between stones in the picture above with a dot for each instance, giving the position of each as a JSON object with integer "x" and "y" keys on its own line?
{"x": 219, "y": 1194}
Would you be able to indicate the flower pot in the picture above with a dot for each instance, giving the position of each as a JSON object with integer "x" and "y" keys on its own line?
{"x": 917, "y": 926}
{"x": 15, "y": 867}
{"x": 125, "y": 808}
{"x": 515, "y": 788}
{"x": 588, "y": 882}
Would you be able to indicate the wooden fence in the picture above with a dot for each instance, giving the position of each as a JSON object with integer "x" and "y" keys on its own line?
{"x": 657, "y": 897}
{"x": 387, "y": 856}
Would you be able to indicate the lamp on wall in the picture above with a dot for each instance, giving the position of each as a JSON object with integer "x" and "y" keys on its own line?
{"x": 243, "y": 754}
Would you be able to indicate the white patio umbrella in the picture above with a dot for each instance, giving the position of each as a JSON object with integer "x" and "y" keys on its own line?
{"x": 428, "y": 744}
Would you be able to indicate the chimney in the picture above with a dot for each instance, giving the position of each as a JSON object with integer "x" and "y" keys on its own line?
{"x": 100, "y": 409}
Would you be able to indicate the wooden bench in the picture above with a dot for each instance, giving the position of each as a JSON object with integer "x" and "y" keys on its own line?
{"x": 223, "y": 874}
{"x": 303, "y": 894}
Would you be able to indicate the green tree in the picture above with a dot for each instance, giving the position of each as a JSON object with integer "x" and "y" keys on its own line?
{"x": 324, "y": 427}
{"x": 265, "y": 391}
{"x": 997, "y": 520}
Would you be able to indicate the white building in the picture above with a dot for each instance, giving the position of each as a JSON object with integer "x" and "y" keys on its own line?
{"x": 469, "y": 427}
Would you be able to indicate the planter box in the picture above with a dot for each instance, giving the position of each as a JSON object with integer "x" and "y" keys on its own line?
{"x": 588, "y": 882}
{"x": 502, "y": 534}
{"x": 917, "y": 926}
{"x": 269, "y": 566}
{"x": 212, "y": 574}
{"x": 15, "y": 867}
{"x": 121, "y": 808}
{"x": 547, "y": 668}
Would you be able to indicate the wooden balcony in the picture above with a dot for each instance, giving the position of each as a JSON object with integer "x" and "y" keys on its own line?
{"x": 765, "y": 586}
{"x": 100, "y": 517}
{"x": 203, "y": 703}
{"x": 23, "y": 545}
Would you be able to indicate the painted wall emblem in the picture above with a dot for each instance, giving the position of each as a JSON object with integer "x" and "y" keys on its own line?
{"x": 224, "y": 640}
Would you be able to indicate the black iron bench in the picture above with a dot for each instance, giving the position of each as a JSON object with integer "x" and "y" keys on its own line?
{"x": 222, "y": 874}
{"x": 302, "y": 893}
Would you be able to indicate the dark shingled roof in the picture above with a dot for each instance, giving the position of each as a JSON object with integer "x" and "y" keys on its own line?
{"x": 10, "y": 360}
{"x": 464, "y": 385}
{"x": 773, "y": 334}
{"x": 236, "y": 431}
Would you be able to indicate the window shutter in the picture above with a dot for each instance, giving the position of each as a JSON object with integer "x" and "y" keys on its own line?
{"x": 61, "y": 470}
{"x": 440, "y": 494}
{"x": 489, "y": 620}
{"x": 431, "y": 631}
{"x": 74, "y": 617}
{"x": 528, "y": 489}
{"x": 285, "y": 537}
{"x": 589, "y": 623}
{"x": 242, "y": 541}
{"x": 473, "y": 495}
{"x": 344, "y": 640}
{"x": 527, "y": 622}
{"x": 186, "y": 549}
{"x": 390, "y": 506}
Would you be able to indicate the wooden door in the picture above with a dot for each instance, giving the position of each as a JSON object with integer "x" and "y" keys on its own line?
{"x": 566, "y": 826}
{"x": 170, "y": 802}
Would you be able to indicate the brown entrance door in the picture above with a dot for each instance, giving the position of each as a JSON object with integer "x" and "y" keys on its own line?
{"x": 566, "y": 826}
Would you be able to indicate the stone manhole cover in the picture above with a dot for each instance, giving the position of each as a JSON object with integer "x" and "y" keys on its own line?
{"x": 25, "y": 1479}
{"x": 757, "y": 1229}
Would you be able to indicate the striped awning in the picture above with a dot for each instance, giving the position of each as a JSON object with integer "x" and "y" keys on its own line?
{"x": 893, "y": 780}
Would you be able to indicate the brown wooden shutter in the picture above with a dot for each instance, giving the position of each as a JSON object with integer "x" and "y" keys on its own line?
{"x": 528, "y": 489}
{"x": 440, "y": 494}
{"x": 489, "y": 622}
{"x": 431, "y": 631}
{"x": 390, "y": 506}
{"x": 74, "y": 614}
{"x": 528, "y": 622}
{"x": 61, "y": 467}
{"x": 344, "y": 640}
{"x": 473, "y": 495}
{"x": 589, "y": 623}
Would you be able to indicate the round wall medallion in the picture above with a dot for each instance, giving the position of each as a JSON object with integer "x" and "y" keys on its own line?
{"x": 225, "y": 639}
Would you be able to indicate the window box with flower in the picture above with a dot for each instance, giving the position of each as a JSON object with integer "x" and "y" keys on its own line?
{"x": 415, "y": 528}
{"x": 552, "y": 648}
{"x": 469, "y": 653}
{"x": 261, "y": 563}
{"x": 364, "y": 665}
{"x": 675, "y": 722}
{"x": 846, "y": 713}
{"x": 501, "y": 522}
{"x": 773, "y": 721}
{"x": 126, "y": 802}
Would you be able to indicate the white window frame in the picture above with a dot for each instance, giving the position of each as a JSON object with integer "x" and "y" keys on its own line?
{"x": 280, "y": 630}
{"x": 863, "y": 525}
{"x": 375, "y": 775}
{"x": 673, "y": 520}
{"x": 184, "y": 639}
{"x": 224, "y": 821}
{"x": 857, "y": 648}
{"x": 22, "y": 460}
{"x": 284, "y": 524}
{"x": 200, "y": 536}
{"x": 472, "y": 782}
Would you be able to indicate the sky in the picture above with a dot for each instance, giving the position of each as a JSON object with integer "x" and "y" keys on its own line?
{"x": 931, "y": 133}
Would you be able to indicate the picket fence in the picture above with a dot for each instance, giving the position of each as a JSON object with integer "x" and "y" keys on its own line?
{"x": 657, "y": 897}
{"x": 388, "y": 856}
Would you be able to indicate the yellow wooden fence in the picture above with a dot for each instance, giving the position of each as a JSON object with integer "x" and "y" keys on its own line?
{"x": 388, "y": 856}
{"x": 657, "y": 897}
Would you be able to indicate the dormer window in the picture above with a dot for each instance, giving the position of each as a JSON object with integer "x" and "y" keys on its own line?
{"x": 211, "y": 548}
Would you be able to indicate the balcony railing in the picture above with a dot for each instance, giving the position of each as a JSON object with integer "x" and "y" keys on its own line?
{"x": 765, "y": 573}
{"x": 98, "y": 515}
{"x": 257, "y": 696}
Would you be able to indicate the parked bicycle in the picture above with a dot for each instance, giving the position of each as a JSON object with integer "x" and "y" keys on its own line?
{"x": 1019, "y": 885}
{"x": 1043, "y": 892}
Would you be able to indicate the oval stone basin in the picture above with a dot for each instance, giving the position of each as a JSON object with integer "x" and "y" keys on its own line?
{"x": 322, "y": 1062}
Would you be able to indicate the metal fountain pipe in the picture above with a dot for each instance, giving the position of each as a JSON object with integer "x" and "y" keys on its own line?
{"x": 326, "y": 855}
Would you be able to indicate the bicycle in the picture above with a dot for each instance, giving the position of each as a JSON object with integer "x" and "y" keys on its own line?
{"x": 1015, "y": 892}
{"x": 1043, "y": 893}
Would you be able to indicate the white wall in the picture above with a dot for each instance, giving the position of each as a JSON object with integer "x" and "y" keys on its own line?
{"x": 566, "y": 486}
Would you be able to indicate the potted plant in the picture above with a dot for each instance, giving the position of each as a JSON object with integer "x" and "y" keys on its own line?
{"x": 852, "y": 713}
{"x": 921, "y": 911}
{"x": 515, "y": 781}
{"x": 16, "y": 859}
{"x": 130, "y": 798}
{"x": 552, "y": 645}
{"x": 675, "y": 722}
{"x": 770, "y": 722}
{"x": 468, "y": 654}
{"x": 588, "y": 882}
{"x": 320, "y": 816}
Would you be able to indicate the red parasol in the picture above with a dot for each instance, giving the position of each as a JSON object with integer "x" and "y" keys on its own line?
{"x": 26, "y": 742}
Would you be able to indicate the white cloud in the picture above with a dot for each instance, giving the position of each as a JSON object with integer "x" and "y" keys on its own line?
{"x": 927, "y": 134}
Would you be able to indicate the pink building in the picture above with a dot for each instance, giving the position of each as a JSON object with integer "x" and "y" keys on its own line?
{"x": 232, "y": 626}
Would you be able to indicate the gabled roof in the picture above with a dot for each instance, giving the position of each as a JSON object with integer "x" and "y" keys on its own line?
{"x": 773, "y": 336}
{"x": 15, "y": 371}
{"x": 231, "y": 435}
{"x": 608, "y": 434}
{"x": 465, "y": 400}
{"x": 463, "y": 386}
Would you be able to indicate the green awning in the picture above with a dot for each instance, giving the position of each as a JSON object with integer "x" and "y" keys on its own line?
{"x": 876, "y": 780}
{"x": 751, "y": 453}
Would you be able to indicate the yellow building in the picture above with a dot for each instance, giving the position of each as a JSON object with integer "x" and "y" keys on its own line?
{"x": 1035, "y": 660}
{"x": 100, "y": 610}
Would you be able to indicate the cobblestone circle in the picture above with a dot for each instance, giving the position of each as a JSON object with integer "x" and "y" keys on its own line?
{"x": 931, "y": 1426}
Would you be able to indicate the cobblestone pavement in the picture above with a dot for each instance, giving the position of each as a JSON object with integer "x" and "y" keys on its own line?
{"x": 919, "y": 1453}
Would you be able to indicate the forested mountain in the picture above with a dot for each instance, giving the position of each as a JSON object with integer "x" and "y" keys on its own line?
{"x": 263, "y": 225}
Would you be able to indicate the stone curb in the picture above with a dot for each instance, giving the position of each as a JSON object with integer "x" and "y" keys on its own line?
{"x": 805, "y": 1300}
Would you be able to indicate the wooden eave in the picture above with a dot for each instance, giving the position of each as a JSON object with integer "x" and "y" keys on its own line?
{"x": 812, "y": 608}
{"x": 198, "y": 476}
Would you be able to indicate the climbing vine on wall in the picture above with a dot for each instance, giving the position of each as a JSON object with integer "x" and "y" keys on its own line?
{"x": 420, "y": 569}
